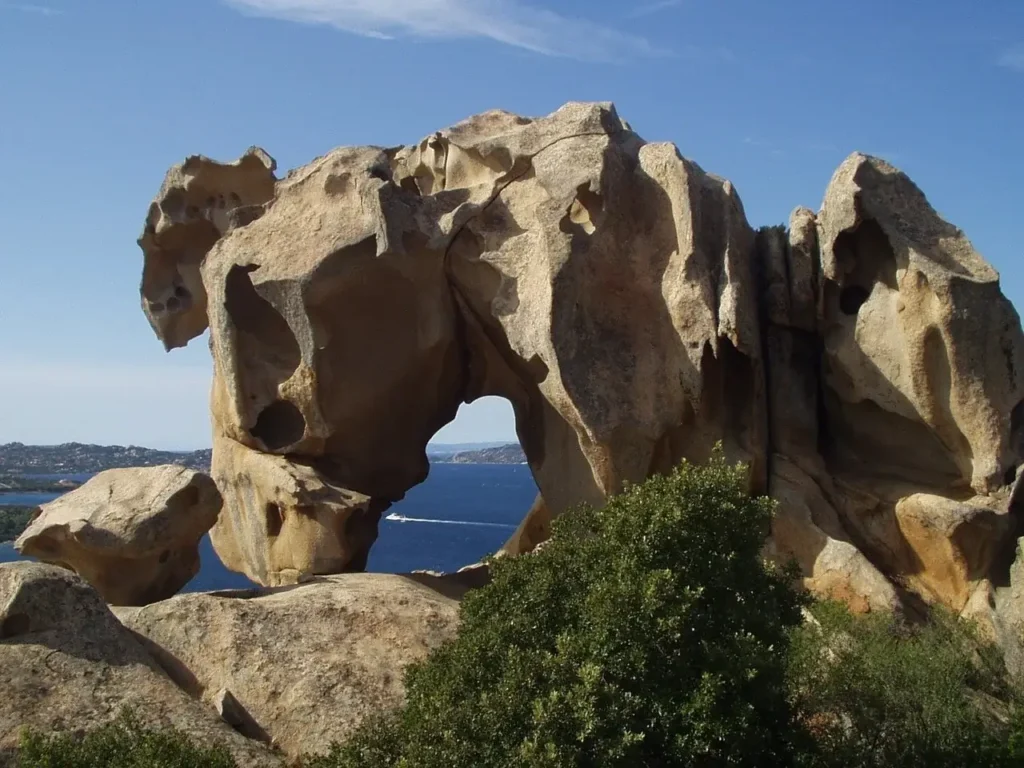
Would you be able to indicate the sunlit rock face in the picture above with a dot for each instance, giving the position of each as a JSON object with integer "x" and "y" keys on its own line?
{"x": 68, "y": 666}
{"x": 133, "y": 533}
{"x": 861, "y": 360}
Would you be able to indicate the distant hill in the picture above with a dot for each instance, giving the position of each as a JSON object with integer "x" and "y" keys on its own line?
{"x": 77, "y": 458}
{"x": 504, "y": 454}
{"x": 450, "y": 449}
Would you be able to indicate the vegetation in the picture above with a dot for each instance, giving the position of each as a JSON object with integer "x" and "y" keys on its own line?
{"x": 125, "y": 743}
{"x": 644, "y": 633}
{"x": 880, "y": 692}
{"x": 14, "y": 520}
{"x": 649, "y": 633}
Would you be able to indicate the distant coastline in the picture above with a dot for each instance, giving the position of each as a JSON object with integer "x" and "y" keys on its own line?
{"x": 51, "y": 467}
{"x": 511, "y": 453}
{"x": 54, "y": 462}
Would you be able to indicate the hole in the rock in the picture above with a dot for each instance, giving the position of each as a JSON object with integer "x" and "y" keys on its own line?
{"x": 409, "y": 185}
{"x": 14, "y": 625}
{"x": 173, "y": 303}
{"x": 279, "y": 425}
{"x": 476, "y": 495}
{"x": 181, "y": 292}
{"x": 275, "y": 519}
{"x": 852, "y": 298}
{"x": 165, "y": 556}
{"x": 584, "y": 212}
{"x": 1010, "y": 476}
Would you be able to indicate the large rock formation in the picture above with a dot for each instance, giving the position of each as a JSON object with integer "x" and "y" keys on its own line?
{"x": 131, "y": 533}
{"x": 862, "y": 361}
{"x": 67, "y": 665}
{"x": 305, "y": 664}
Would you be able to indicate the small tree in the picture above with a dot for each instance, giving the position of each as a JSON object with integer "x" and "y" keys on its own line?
{"x": 645, "y": 633}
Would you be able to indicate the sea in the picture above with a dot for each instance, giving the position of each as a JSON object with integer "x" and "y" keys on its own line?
{"x": 461, "y": 513}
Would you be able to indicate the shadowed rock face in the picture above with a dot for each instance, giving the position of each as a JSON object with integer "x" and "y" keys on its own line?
{"x": 862, "y": 360}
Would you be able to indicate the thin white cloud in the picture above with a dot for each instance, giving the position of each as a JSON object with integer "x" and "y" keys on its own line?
{"x": 1013, "y": 59}
{"x": 510, "y": 22}
{"x": 655, "y": 7}
{"x": 39, "y": 10}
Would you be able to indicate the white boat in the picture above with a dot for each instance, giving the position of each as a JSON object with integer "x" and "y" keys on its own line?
{"x": 395, "y": 517}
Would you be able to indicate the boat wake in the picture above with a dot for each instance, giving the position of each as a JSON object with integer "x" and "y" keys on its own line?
{"x": 396, "y": 518}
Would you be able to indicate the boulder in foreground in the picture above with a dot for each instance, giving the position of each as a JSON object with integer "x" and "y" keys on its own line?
{"x": 68, "y": 665}
{"x": 133, "y": 534}
{"x": 308, "y": 663}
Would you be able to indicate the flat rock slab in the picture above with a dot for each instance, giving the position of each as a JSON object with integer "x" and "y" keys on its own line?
{"x": 68, "y": 666}
{"x": 308, "y": 662}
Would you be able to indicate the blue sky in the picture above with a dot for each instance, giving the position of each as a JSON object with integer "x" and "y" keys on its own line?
{"x": 99, "y": 97}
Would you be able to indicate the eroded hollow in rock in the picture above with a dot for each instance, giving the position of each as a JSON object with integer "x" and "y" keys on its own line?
{"x": 14, "y": 625}
{"x": 262, "y": 333}
{"x": 865, "y": 257}
{"x": 257, "y": 319}
{"x": 275, "y": 519}
{"x": 279, "y": 425}
{"x": 852, "y": 298}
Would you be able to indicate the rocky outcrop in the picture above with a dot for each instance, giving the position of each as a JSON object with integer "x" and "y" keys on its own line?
{"x": 303, "y": 665}
{"x": 306, "y": 525}
{"x": 921, "y": 349}
{"x": 862, "y": 361}
{"x": 200, "y": 201}
{"x": 131, "y": 533}
{"x": 67, "y": 665}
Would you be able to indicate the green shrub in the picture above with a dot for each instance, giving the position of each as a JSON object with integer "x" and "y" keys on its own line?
{"x": 124, "y": 743}
{"x": 646, "y": 633}
{"x": 14, "y": 520}
{"x": 879, "y": 692}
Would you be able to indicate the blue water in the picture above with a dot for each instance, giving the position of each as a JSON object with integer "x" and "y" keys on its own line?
{"x": 29, "y": 499}
{"x": 460, "y": 514}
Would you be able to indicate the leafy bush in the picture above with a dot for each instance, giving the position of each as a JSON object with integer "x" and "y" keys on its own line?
{"x": 879, "y": 692}
{"x": 124, "y": 743}
{"x": 14, "y": 520}
{"x": 648, "y": 632}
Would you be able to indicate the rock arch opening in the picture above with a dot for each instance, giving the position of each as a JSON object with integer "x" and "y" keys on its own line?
{"x": 478, "y": 491}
